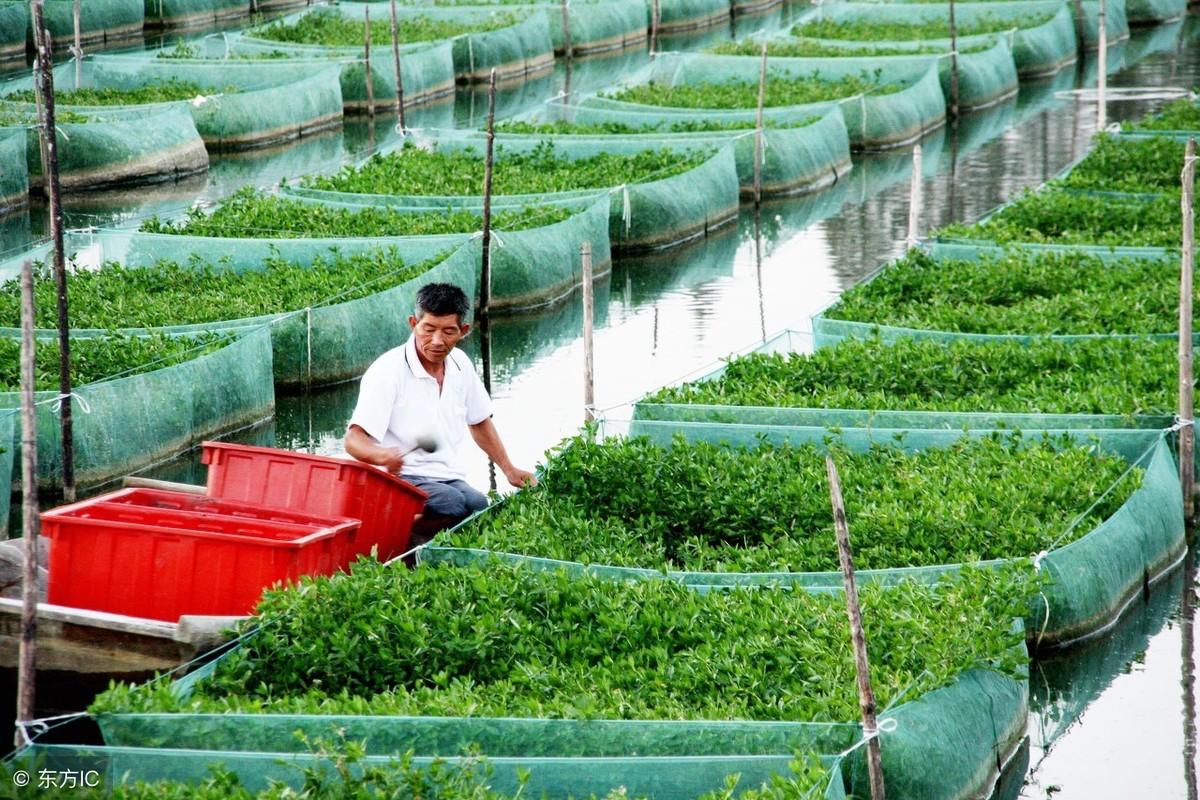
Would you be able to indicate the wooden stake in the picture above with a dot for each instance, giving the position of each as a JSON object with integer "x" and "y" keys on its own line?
{"x": 27, "y": 649}
{"x": 399, "y": 75}
{"x": 1187, "y": 434}
{"x": 568, "y": 48}
{"x": 367, "y": 61}
{"x": 77, "y": 50}
{"x": 485, "y": 273}
{"x": 758, "y": 128}
{"x": 1102, "y": 70}
{"x": 866, "y": 696}
{"x": 589, "y": 389}
{"x": 953, "y": 63}
{"x": 914, "y": 199}
{"x": 1187, "y": 638}
{"x": 49, "y": 153}
{"x": 655, "y": 13}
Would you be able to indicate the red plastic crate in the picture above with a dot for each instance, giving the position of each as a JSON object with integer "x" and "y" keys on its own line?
{"x": 155, "y": 554}
{"x": 319, "y": 485}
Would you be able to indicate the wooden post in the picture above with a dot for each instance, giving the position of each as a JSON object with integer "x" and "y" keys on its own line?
{"x": 485, "y": 273}
{"x": 589, "y": 389}
{"x": 758, "y": 128}
{"x": 866, "y": 696}
{"x": 953, "y": 63}
{"x": 77, "y": 50}
{"x": 1187, "y": 434}
{"x": 27, "y": 649}
{"x": 914, "y": 199}
{"x": 655, "y": 13}
{"x": 1102, "y": 69}
{"x": 399, "y": 74}
{"x": 367, "y": 61}
{"x": 1187, "y": 638}
{"x": 49, "y": 151}
{"x": 758, "y": 261}
{"x": 568, "y": 47}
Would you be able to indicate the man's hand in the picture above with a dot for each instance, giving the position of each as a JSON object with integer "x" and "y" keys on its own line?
{"x": 391, "y": 459}
{"x": 520, "y": 478}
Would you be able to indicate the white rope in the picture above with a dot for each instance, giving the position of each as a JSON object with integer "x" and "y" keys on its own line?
{"x": 56, "y": 402}
{"x": 1180, "y": 424}
{"x": 626, "y": 209}
{"x": 308, "y": 340}
{"x": 885, "y": 726}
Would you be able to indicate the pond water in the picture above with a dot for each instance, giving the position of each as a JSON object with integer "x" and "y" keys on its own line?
{"x": 1111, "y": 718}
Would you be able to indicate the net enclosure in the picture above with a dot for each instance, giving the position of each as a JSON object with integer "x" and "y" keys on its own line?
{"x": 14, "y": 180}
{"x": 100, "y": 21}
{"x": 892, "y": 108}
{"x": 169, "y": 14}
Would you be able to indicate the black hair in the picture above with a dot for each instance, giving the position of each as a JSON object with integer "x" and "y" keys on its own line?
{"x": 440, "y": 299}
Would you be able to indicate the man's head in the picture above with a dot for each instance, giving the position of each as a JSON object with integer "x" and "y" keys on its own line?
{"x": 439, "y": 320}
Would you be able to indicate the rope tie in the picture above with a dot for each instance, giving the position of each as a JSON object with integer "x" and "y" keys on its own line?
{"x": 1180, "y": 424}
{"x": 886, "y": 725}
{"x": 57, "y": 401}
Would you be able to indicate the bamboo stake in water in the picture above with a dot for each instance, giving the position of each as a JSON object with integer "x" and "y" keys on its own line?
{"x": 77, "y": 50}
{"x": 866, "y": 696}
{"x": 49, "y": 151}
{"x": 367, "y": 61}
{"x": 568, "y": 48}
{"x": 914, "y": 200}
{"x": 589, "y": 388}
{"x": 758, "y": 128}
{"x": 1102, "y": 70}
{"x": 485, "y": 282}
{"x": 1187, "y": 433}
{"x": 953, "y": 63}
{"x": 655, "y": 13}
{"x": 399, "y": 75}
{"x": 27, "y": 649}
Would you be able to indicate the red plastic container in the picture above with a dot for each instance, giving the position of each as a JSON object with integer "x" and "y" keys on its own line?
{"x": 318, "y": 485}
{"x": 155, "y": 554}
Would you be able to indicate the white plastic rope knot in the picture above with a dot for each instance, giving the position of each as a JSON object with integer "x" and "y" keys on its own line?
{"x": 886, "y": 725}
{"x": 57, "y": 401}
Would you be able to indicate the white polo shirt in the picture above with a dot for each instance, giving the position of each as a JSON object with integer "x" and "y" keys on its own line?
{"x": 398, "y": 401}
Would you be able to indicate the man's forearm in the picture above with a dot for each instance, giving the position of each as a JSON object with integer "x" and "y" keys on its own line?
{"x": 488, "y": 439}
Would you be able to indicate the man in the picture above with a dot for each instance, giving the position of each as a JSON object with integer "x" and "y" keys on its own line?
{"x": 427, "y": 391}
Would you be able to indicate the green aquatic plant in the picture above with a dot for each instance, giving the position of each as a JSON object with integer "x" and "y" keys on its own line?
{"x": 331, "y": 28}
{"x": 780, "y": 91}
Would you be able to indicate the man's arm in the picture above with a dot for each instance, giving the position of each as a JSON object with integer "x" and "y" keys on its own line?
{"x": 360, "y": 445}
{"x": 488, "y": 438}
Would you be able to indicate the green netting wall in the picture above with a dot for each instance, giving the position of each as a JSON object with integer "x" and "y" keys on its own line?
{"x": 9, "y": 432}
{"x": 1152, "y": 12}
{"x": 530, "y": 267}
{"x": 273, "y": 102}
{"x": 138, "y": 420}
{"x": 427, "y": 69}
{"x": 1115, "y": 21}
{"x": 685, "y": 15}
{"x": 189, "y": 13}
{"x": 596, "y": 25}
{"x": 961, "y": 734}
{"x": 972, "y": 248}
{"x": 643, "y": 216}
{"x": 667, "y": 778}
{"x": 754, "y": 6}
{"x": 14, "y": 178}
{"x": 99, "y": 21}
{"x": 1037, "y": 50}
{"x": 810, "y": 156}
{"x": 155, "y": 144}
{"x": 985, "y": 77}
{"x": 876, "y": 121}
{"x": 14, "y": 30}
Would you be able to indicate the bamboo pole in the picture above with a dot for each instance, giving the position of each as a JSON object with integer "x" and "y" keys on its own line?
{"x": 589, "y": 302}
{"x": 914, "y": 199}
{"x": 485, "y": 283}
{"x": 866, "y": 696}
{"x": 568, "y": 47}
{"x": 1187, "y": 433}
{"x": 758, "y": 128}
{"x": 655, "y": 14}
{"x": 758, "y": 263}
{"x": 1187, "y": 637}
{"x": 1102, "y": 69}
{"x": 27, "y": 649}
{"x": 49, "y": 152}
{"x": 77, "y": 50}
{"x": 367, "y": 61}
{"x": 399, "y": 73}
{"x": 953, "y": 63}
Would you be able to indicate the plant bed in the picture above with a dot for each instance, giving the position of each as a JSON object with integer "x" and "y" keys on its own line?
{"x": 780, "y": 91}
{"x": 1012, "y": 293}
{"x": 579, "y": 691}
{"x": 164, "y": 91}
{"x": 1180, "y": 115}
{"x": 1135, "y": 165}
{"x": 330, "y": 28}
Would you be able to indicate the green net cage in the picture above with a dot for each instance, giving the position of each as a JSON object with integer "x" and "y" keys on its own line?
{"x": 100, "y": 21}
{"x": 1153, "y": 12}
{"x": 1087, "y": 21}
{"x": 167, "y": 14}
{"x": 675, "y": 16}
{"x": 117, "y": 147}
{"x": 648, "y": 215}
{"x": 809, "y": 151}
{"x": 912, "y": 104}
{"x": 1042, "y": 36}
{"x": 14, "y": 179}
{"x": 426, "y": 68}
{"x": 14, "y": 30}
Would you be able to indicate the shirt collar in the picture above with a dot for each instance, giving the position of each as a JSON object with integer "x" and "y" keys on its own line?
{"x": 417, "y": 368}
